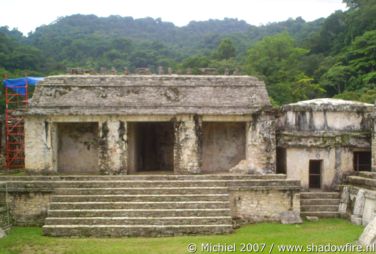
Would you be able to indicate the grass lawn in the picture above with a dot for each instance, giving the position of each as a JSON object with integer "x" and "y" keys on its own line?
{"x": 28, "y": 240}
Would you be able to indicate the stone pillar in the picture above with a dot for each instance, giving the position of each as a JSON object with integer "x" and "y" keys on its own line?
{"x": 295, "y": 196}
{"x": 40, "y": 145}
{"x": 344, "y": 200}
{"x": 357, "y": 215}
{"x": 113, "y": 155}
{"x": 187, "y": 149}
{"x": 373, "y": 146}
{"x": 261, "y": 144}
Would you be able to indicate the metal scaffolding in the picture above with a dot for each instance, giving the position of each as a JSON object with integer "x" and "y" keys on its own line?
{"x": 15, "y": 104}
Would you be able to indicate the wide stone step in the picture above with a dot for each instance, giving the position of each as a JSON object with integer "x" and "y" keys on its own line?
{"x": 321, "y": 214}
{"x": 362, "y": 181}
{"x": 132, "y": 184}
{"x": 139, "y": 191}
{"x": 306, "y": 202}
{"x": 141, "y": 177}
{"x": 140, "y": 205}
{"x": 144, "y": 198}
{"x": 137, "y": 212}
{"x": 138, "y": 220}
{"x": 367, "y": 174}
{"x": 134, "y": 230}
{"x": 145, "y": 183}
{"x": 319, "y": 208}
{"x": 319, "y": 195}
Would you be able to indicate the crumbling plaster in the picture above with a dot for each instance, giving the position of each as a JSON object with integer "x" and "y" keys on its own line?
{"x": 330, "y": 130}
{"x": 42, "y": 141}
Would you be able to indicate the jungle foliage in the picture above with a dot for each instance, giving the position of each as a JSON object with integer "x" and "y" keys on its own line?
{"x": 332, "y": 57}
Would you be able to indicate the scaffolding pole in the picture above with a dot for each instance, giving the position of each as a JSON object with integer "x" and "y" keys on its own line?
{"x": 15, "y": 105}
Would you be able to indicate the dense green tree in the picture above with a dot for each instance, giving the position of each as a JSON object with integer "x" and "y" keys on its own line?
{"x": 225, "y": 50}
{"x": 355, "y": 69}
{"x": 277, "y": 60}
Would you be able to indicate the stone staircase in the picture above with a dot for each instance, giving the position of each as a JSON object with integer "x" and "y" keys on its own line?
{"x": 142, "y": 205}
{"x": 139, "y": 206}
{"x": 320, "y": 204}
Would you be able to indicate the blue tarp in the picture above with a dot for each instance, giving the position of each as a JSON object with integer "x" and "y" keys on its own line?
{"x": 17, "y": 84}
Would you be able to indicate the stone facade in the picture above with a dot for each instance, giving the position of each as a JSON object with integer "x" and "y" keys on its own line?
{"x": 110, "y": 104}
{"x": 326, "y": 131}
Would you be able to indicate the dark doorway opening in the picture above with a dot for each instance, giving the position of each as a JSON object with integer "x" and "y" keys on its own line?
{"x": 315, "y": 174}
{"x": 362, "y": 161}
{"x": 281, "y": 160}
{"x": 151, "y": 146}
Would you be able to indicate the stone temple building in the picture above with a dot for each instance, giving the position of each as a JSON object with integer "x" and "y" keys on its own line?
{"x": 323, "y": 140}
{"x": 134, "y": 124}
{"x": 153, "y": 155}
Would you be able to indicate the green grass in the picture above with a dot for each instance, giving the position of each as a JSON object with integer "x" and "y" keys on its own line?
{"x": 28, "y": 240}
{"x": 12, "y": 172}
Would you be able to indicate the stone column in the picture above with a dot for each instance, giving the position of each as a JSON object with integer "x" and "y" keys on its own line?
{"x": 373, "y": 146}
{"x": 113, "y": 149}
{"x": 261, "y": 144}
{"x": 344, "y": 200}
{"x": 40, "y": 145}
{"x": 187, "y": 149}
{"x": 295, "y": 196}
{"x": 357, "y": 215}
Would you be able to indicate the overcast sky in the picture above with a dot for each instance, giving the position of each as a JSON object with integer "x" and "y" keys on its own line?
{"x": 26, "y": 15}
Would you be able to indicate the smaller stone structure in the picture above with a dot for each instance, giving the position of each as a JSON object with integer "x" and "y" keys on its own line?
{"x": 320, "y": 141}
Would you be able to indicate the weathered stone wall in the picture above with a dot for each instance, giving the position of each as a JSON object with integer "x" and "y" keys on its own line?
{"x": 114, "y": 147}
{"x": 223, "y": 145}
{"x": 4, "y": 211}
{"x": 324, "y": 121}
{"x": 42, "y": 145}
{"x": 187, "y": 150}
{"x": 148, "y": 95}
{"x": 249, "y": 206}
{"x": 28, "y": 208}
{"x": 374, "y": 146}
{"x": 261, "y": 143}
{"x": 113, "y": 157}
{"x": 326, "y": 115}
{"x": 40, "y": 149}
{"x": 358, "y": 199}
{"x": 361, "y": 206}
{"x": 77, "y": 148}
{"x": 336, "y": 163}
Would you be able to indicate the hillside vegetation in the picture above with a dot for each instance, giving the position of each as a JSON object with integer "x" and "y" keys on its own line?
{"x": 332, "y": 57}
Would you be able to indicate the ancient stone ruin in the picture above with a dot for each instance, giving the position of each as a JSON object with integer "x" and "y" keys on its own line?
{"x": 153, "y": 155}
{"x": 128, "y": 124}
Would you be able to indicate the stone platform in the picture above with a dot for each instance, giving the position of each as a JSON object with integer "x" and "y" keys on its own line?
{"x": 148, "y": 205}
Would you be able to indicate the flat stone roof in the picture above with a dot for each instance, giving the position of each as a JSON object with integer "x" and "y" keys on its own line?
{"x": 148, "y": 94}
{"x": 328, "y": 104}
